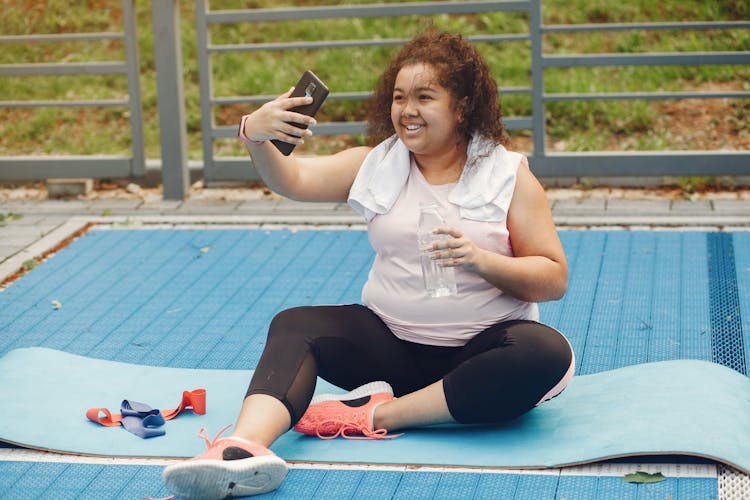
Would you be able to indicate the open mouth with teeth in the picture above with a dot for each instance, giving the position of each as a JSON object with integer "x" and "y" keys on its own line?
{"x": 413, "y": 126}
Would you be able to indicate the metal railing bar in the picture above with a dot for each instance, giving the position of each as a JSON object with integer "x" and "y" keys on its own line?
{"x": 337, "y": 96}
{"x": 261, "y": 99}
{"x": 645, "y": 59}
{"x": 610, "y": 96}
{"x": 518, "y": 122}
{"x": 86, "y": 166}
{"x": 640, "y": 163}
{"x": 62, "y": 37}
{"x": 376, "y": 10}
{"x": 338, "y": 128}
{"x": 338, "y": 44}
{"x": 66, "y": 158}
{"x": 356, "y": 127}
{"x": 233, "y": 168}
{"x": 39, "y": 69}
{"x": 568, "y": 28}
{"x": 65, "y": 104}
{"x": 618, "y": 164}
{"x": 328, "y": 128}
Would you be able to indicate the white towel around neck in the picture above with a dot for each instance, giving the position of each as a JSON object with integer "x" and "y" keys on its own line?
{"x": 483, "y": 192}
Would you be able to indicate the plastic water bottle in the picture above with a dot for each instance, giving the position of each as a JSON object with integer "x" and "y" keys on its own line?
{"x": 439, "y": 281}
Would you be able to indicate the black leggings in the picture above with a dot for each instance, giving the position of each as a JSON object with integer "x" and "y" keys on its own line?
{"x": 501, "y": 373}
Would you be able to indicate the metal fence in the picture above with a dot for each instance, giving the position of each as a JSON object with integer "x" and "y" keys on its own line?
{"x": 88, "y": 166}
{"x": 171, "y": 103}
{"x": 216, "y": 168}
{"x": 630, "y": 163}
{"x": 544, "y": 162}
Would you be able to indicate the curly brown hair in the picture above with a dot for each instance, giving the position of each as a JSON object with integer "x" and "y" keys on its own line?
{"x": 460, "y": 69}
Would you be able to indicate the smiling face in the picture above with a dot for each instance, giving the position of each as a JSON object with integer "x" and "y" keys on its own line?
{"x": 423, "y": 112}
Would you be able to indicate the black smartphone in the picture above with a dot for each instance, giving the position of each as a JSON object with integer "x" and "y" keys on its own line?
{"x": 308, "y": 85}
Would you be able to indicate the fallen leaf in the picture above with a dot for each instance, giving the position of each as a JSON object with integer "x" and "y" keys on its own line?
{"x": 644, "y": 477}
{"x": 127, "y": 223}
{"x": 205, "y": 249}
{"x": 56, "y": 304}
{"x": 10, "y": 216}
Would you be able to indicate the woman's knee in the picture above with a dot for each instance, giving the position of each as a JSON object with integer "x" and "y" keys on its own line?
{"x": 543, "y": 347}
{"x": 557, "y": 354}
{"x": 293, "y": 322}
{"x": 532, "y": 363}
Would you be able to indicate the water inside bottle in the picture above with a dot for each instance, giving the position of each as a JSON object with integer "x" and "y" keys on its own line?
{"x": 439, "y": 281}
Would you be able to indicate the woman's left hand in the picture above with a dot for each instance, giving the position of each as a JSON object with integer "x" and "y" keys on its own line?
{"x": 456, "y": 251}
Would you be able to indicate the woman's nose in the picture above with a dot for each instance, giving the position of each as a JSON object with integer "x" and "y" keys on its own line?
{"x": 409, "y": 108}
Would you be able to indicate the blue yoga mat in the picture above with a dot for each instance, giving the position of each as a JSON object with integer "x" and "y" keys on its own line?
{"x": 678, "y": 407}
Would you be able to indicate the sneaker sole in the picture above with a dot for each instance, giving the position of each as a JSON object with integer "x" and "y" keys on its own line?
{"x": 359, "y": 392}
{"x": 216, "y": 479}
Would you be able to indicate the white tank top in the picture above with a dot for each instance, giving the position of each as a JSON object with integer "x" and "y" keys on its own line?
{"x": 395, "y": 291}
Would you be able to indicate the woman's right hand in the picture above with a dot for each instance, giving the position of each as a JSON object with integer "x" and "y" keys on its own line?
{"x": 274, "y": 120}
{"x": 304, "y": 177}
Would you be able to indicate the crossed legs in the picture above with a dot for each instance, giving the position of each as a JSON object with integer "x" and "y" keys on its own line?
{"x": 503, "y": 372}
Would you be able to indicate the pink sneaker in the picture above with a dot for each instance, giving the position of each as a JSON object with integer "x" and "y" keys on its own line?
{"x": 333, "y": 415}
{"x": 231, "y": 467}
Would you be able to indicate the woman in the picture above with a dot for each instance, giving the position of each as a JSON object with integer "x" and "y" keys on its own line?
{"x": 409, "y": 360}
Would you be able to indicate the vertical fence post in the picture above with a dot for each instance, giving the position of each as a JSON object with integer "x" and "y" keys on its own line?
{"x": 537, "y": 80}
{"x": 172, "y": 130}
{"x": 138, "y": 165}
{"x": 206, "y": 91}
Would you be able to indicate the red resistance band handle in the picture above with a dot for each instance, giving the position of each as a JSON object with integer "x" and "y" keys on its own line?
{"x": 195, "y": 399}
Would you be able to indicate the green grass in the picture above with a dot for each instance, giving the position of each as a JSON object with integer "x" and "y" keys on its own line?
{"x": 573, "y": 126}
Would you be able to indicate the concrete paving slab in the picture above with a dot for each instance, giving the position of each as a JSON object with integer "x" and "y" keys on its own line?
{"x": 21, "y": 235}
{"x": 290, "y": 206}
{"x": 692, "y": 207}
{"x": 15, "y": 206}
{"x": 638, "y": 206}
{"x": 344, "y": 207}
{"x": 49, "y": 241}
{"x": 72, "y": 207}
{"x": 586, "y": 205}
{"x": 50, "y": 223}
{"x": 24, "y": 220}
{"x": 207, "y": 207}
{"x": 739, "y": 207}
{"x": 60, "y": 207}
{"x": 159, "y": 206}
{"x": 25, "y": 231}
{"x": 115, "y": 205}
{"x": 257, "y": 207}
{"x": 7, "y": 251}
{"x": 286, "y": 205}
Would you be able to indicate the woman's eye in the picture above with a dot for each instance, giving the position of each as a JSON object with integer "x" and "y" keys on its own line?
{"x": 425, "y": 97}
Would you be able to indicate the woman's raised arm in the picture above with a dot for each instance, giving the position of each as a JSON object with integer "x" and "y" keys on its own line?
{"x": 311, "y": 178}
